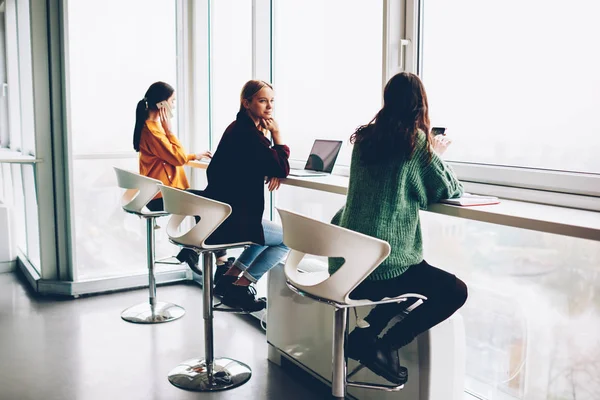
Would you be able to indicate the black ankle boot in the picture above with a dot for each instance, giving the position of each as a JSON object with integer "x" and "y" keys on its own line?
{"x": 224, "y": 285}
{"x": 221, "y": 269}
{"x": 360, "y": 341}
{"x": 384, "y": 361}
{"x": 191, "y": 258}
{"x": 243, "y": 297}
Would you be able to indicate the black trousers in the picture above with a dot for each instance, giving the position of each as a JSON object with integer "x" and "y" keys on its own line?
{"x": 158, "y": 205}
{"x": 445, "y": 294}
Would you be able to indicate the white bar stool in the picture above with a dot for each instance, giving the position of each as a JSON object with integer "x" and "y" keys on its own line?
{"x": 140, "y": 190}
{"x": 210, "y": 373}
{"x": 362, "y": 254}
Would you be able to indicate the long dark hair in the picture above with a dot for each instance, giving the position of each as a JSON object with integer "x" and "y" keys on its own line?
{"x": 157, "y": 92}
{"x": 250, "y": 89}
{"x": 393, "y": 131}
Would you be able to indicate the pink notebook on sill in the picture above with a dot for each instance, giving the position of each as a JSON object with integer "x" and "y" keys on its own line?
{"x": 469, "y": 200}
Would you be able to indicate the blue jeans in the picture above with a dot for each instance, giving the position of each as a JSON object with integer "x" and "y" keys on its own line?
{"x": 256, "y": 260}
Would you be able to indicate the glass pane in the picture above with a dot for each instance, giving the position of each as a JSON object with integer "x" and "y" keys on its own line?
{"x": 18, "y": 205}
{"x": 533, "y": 314}
{"x": 6, "y": 189}
{"x": 31, "y": 216}
{"x": 231, "y": 60}
{"x": 109, "y": 242}
{"x": 327, "y": 76}
{"x": 12, "y": 75}
{"x": 4, "y": 135}
{"x": 112, "y": 64}
{"x": 515, "y": 82}
{"x": 27, "y": 133}
{"x": 110, "y": 70}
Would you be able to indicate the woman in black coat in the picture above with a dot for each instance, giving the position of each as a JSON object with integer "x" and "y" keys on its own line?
{"x": 236, "y": 176}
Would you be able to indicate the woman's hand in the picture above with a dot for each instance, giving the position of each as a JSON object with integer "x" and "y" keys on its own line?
{"x": 440, "y": 143}
{"x": 273, "y": 183}
{"x": 165, "y": 121}
{"x": 271, "y": 125}
{"x": 206, "y": 154}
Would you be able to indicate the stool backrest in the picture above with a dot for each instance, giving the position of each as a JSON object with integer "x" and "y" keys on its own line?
{"x": 181, "y": 204}
{"x": 140, "y": 190}
{"x": 362, "y": 254}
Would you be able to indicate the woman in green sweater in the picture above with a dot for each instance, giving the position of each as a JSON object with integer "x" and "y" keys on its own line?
{"x": 395, "y": 172}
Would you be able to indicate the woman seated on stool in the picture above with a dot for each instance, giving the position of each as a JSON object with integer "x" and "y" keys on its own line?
{"x": 161, "y": 155}
{"x": 396, "y": 170}
{"x": 236, "y": 176}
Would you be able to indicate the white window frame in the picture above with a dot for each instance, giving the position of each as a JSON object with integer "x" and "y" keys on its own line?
{"x": 563, "y": 188}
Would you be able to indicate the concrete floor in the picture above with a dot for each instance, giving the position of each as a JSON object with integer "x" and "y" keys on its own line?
{"x": 63, "y": 349}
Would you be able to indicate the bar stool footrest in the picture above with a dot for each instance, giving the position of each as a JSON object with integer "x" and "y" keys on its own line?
{"x": 194, "y": 375}
{"x": 223, "y": 308}
{"x": 356, "y": 370}
{"x": 168, "y": 261}
{"x": 366, "y": 385}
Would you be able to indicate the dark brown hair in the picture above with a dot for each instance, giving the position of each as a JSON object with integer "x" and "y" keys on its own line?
{"x": 393, "y": 131}
{"x": 250, "y": 89}
{"x": 157, "y": 92}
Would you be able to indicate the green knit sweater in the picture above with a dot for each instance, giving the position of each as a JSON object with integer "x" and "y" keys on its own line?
{"x": 384, "y": 200}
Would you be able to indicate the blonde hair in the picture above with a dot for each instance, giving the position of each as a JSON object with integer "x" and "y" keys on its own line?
{"x": 250, "y": 89}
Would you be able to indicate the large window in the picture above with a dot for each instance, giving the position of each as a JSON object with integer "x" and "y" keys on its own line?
{"x": 17, "y": 130}
{"x": 4, "y": 135}
{"x": 110, "y": 67}
{"x": 533, "y": 314}
{"x": 516, "y": 83}
{"x": 230, "y": 61}
{"x": 327, "y": 70}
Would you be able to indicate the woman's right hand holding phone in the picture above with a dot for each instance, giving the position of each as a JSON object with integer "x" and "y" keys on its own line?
{"x": 165, "y": 121}
{"x": 440, "y": 143}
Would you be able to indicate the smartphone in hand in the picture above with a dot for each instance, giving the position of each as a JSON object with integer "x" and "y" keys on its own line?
{"x": 165, "y": 104}
{"x": 438, "y": 131}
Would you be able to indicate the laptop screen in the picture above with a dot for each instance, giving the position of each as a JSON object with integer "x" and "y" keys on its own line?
{"x": 323, "y": 155}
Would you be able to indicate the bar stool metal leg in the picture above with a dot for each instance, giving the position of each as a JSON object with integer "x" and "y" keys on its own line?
{"x": 209, "y": 374}
{"x": 153, "y": 312}
{"x": 339, "y": 364}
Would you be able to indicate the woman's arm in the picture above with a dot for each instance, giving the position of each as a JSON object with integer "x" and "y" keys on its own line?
{"x": 438, "y": 179}
{"x": 271, "y": 160}
{"x": 168, "y": 148}
{"x": 441, "y": 181}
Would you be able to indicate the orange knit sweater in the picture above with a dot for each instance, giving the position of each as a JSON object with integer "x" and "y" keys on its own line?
{"x": 162, "y": 157}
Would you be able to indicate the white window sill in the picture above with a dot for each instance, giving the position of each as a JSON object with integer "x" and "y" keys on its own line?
{"x": 16, "y": 157}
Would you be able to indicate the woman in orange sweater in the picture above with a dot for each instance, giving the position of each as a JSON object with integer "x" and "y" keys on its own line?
{"x": 162, "y": 156}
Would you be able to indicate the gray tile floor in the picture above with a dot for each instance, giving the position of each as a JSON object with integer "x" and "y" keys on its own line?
{"x": 63, "y": 349}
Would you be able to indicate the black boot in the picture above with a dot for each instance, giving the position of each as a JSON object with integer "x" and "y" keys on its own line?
{"x": 360, "y": 341}
{"x": 384, "y": 361}
{"x": 243, "y": 297}
{"x": 191, "y": 258}
{"x": 221, "y": 269}
{"x": 224, "y": 285}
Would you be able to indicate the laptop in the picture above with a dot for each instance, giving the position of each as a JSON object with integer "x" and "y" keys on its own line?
{"x": 321, "y": 159}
